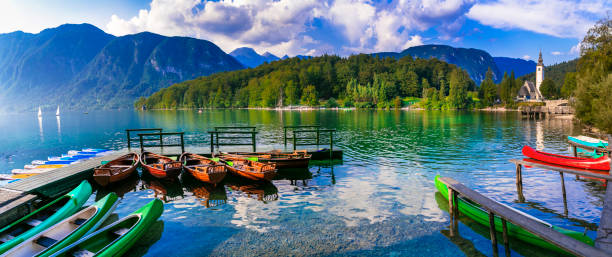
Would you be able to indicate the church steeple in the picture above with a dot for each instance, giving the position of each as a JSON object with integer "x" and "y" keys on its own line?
{"x": 540, "y": 61}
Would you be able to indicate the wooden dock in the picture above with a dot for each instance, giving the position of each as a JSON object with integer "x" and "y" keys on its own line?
{"x": 507, "y": 214}
{"x": 18, "y": 198}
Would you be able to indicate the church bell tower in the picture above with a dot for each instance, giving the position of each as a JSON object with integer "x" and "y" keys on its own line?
{"x": 539, "y": 72}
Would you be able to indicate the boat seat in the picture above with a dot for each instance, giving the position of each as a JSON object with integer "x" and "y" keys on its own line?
{"x": 45, "y": 241}
{"x": 79, "y": 221}
{"x": 83, "y": 253}
{"x": 120, "y": 166}
{"x": 33, "y": 222}
{"x": 6, "y": 238}
{"x": 121, "y": 231}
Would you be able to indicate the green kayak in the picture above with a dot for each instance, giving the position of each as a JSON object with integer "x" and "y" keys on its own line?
{"x": 68, "y": 230}
{"x": 118, "y": 237}
{"x": 43, "y": 218}
{"x": 475, "y": 212}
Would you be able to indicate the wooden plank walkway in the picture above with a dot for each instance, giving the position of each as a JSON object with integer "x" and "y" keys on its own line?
{"x": 56, "y": 182}
{"x": 580, "y": 172}
{"x": 541, "y": 230}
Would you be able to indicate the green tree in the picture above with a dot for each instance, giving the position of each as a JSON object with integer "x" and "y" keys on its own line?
{"x": 487, "y": 92}
{"x": 309, "y": 96}
{"x": 549, "y": 89}
{"x": 458, "y": 96}
{"x": 594, "y": 77}
{"x": 569, "y": 85}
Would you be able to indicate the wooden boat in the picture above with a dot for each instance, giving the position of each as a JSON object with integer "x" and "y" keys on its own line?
{"x": 160, "y": 166}
{"x": 118, "y": 237}
{"x": 297, "y": 159}
{"x": 68, "y": 230}
{"x": 117, "y": 169}
{"x": 249, "y": 169}
{"x": 602, "y": 163}
{"x": 44, "y": 217}
{"x": 478, "y": 214}
{"x": 202, "y": 168}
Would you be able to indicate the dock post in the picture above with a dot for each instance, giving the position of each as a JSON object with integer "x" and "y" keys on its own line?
{"x": 128, "y": 140}
{"x": 575, "y": 151}
{"x": 182, "y": 144}
{"x": 141, "y": 146}
{"x": 212, "y": 144}
{"x": 493, "y": 233}
{"x": 505, "y": 237}
{"x": 451, "y": 210}
{"x": 294, "y": 141}
{"x": 564, "y": 195}
{"x": 318, "y": 134}
{"x": 285, "y": 136}
{"x": 519, "y": 183}
{"x": 254, "y": 142}
{"x": 331, "y": 145}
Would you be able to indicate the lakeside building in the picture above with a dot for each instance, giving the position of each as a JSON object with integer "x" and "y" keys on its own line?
{"x": 530, "y": 91}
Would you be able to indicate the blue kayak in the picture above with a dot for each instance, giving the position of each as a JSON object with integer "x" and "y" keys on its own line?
{"x": 60, "y": 162}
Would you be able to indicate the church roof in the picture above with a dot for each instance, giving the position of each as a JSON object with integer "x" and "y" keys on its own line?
{"x": 540, "y": 61}
{"x": 528, "y": 90}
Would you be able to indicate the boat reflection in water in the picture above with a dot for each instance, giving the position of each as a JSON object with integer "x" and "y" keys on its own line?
{"x": 130, "y": 184}
{"x": 167, "y": 190}
{"x": 263, "y": 191}
{"x": 294, "y": 175}
{"x": 467, "y": 246}
{"x": 210, "y": 195}
{"x": 149, "y": 238}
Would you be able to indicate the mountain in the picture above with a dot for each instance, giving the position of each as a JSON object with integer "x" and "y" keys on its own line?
{"x": 80, "y": 66}
{"x": 249, "y": 58}
{"x": 474, "y": 61}
{"x": 519, "y": 66}
{"x": 555, "y": 72}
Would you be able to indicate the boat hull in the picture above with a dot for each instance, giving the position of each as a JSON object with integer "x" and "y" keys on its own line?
{"x": 476, "y": 213}
{"x": 73, "y": 202}
{"x": 109, "y": 173}
{"x": 204, "y": 169}
{"x": 602, "y": 163}
{"x": 164, "y": 167}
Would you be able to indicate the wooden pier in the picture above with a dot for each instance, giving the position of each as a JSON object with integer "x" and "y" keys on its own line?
{"x": 507, "y": 214}
{"x": 19, "y": 197}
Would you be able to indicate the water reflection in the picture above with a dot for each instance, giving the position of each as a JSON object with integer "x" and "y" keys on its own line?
{"x": 130, "y": 184}
{"x": 262, "y": 191}
{"x": 209, "y": 195}
{"x": 149, "y": 238}
{"x": 59, "y": 128}
{"x": 40, "y": 129}
{"x": 167, "y": 190}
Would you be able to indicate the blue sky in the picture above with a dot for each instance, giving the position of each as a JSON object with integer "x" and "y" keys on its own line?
{"x": 513, "y": 28}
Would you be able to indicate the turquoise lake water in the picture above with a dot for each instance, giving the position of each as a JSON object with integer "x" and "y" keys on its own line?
{"x": 380, "y": 200}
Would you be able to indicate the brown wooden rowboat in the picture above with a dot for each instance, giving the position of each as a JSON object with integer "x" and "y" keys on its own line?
{"x": 297, "y": 159}
{"x": 160, "y": 166}
{"x": 117, "y": 169}
{"x": 202, "y": 168}
{"x": 250, "y": 169}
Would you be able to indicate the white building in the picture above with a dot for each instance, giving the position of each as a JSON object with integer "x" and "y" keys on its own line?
{"x": 529, "y": 91}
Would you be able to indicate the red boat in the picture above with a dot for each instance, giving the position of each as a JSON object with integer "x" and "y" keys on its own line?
{"x": 160, "y": 166}
{"x": 601, "y": 163}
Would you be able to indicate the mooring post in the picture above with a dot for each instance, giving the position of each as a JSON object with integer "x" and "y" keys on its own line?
{"x": 575, "y": 151}
{"x": 318, "y": 138}
{"x": 564, "y": 195}
{"x": 451, "y": 211}
{"x": 254, "y": 142}
{"x": 212, "y": 143}
{"x": 128, "y": 139}
{"x": 331, "y": 144}
{"x": 519, "y": 183}
{"x": 294, "y": 141}
{"x": 285, "y": 136}
{"x": 493, "y": 233}
{"x": 141, "y": 146}
{"x": 182, "y": 143}
{"x": 505, "y": 237}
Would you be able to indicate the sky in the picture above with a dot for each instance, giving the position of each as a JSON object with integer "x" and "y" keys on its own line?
{"x": 511, "y": 28}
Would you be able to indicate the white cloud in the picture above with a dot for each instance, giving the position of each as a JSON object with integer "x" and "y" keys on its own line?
{"x": 575, "y": 50}
{"x": 559, "y": 18}
{"x": 286, "y": 26}
{"x": 555, "y": 53}
{"x": 526, "y": 57}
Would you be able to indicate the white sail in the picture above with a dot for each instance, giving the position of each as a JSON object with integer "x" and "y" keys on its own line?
{"x": 57, "y": 112}
{"x": 39, "y": 112}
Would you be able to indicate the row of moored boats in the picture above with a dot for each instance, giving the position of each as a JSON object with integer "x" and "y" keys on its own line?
{"x": 64, "y": 228}
{"x": 255, "y": 166}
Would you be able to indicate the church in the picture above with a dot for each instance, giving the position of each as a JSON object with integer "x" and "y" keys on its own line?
{"x": 529, "y": 91}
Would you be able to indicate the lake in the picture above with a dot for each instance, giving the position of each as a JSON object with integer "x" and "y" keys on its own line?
{"x": 380, "y": 200}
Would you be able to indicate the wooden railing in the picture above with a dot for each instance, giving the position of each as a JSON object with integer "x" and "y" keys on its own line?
{"x": 129, "y": 137}
{"x": 226, "y": 136}
{"x": 507, "y": 214}
{"x": 148, "y": 137}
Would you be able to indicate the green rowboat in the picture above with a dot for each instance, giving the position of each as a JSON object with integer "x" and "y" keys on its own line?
{"x": 67, "y": 231}
{"x": 118, "y": 237}
{"x": 478, "y": 214}
{"x": 43, "y": 218}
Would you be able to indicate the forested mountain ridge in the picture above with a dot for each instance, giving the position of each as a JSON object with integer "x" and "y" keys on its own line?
{"x": 475, "y": 61}
{"x": 519, "y": 66}
{"x": 359, "y": 80}
{"x": 80, "y": 66}
{"x": 555, "y": 72}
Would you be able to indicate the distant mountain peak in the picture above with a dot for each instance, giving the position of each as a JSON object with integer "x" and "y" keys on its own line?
{"x": 249, "y": 58}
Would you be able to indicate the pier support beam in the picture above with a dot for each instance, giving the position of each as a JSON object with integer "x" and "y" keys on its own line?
{"x": 519, "y": 183}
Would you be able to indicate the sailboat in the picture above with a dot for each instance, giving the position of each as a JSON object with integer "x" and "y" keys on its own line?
{"x": 39, "y": 112}
{"x": 57, "y": 112}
